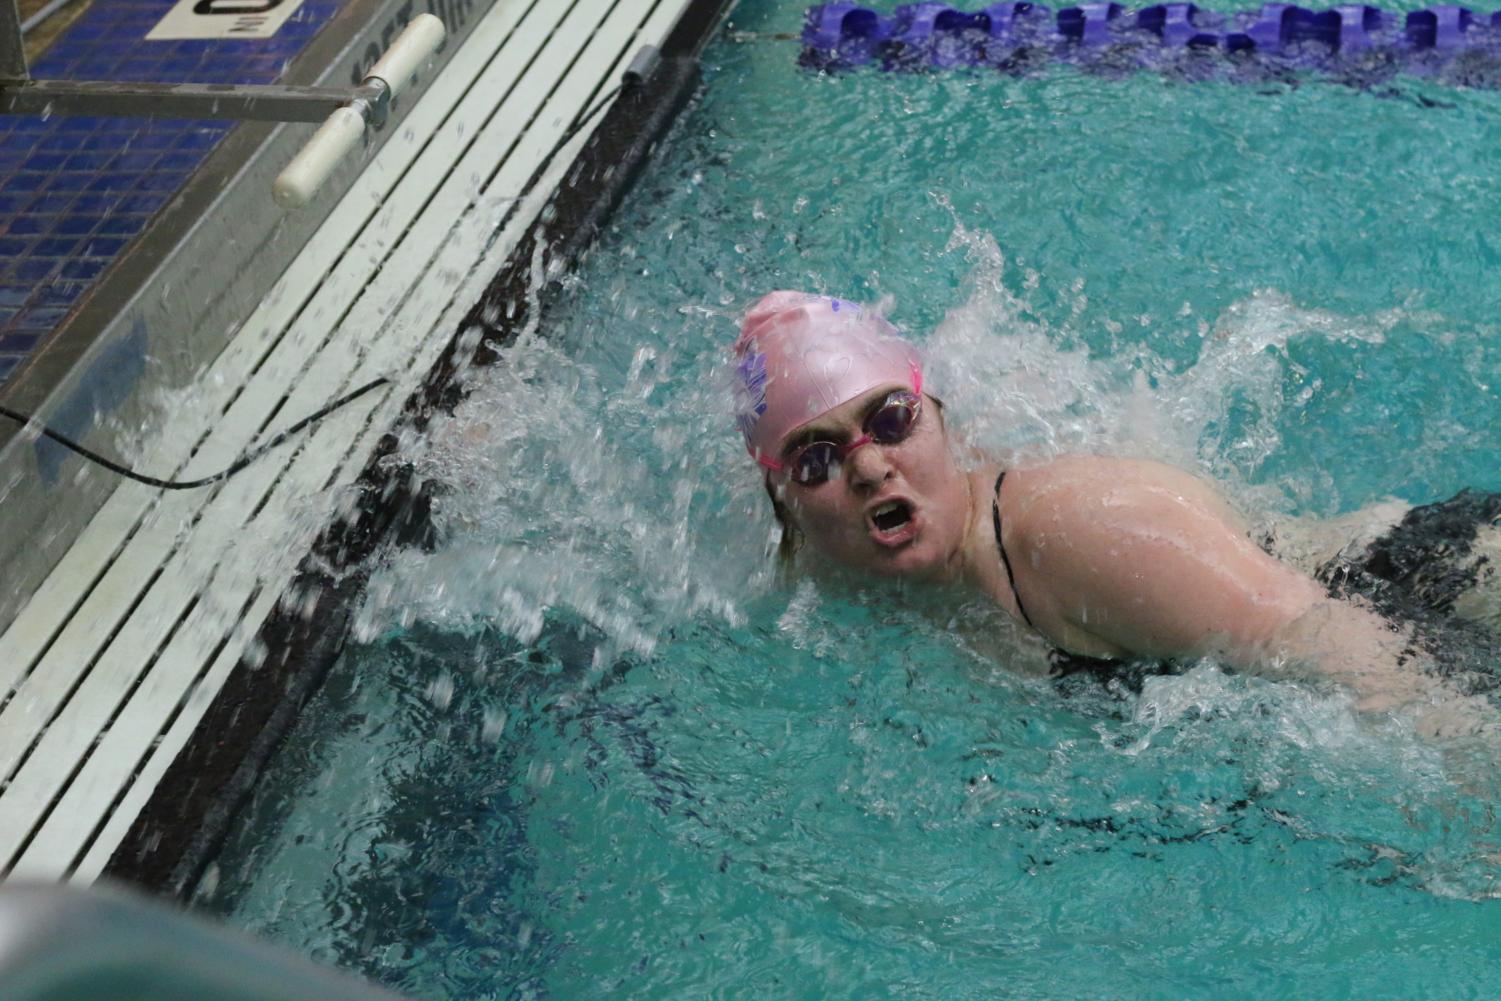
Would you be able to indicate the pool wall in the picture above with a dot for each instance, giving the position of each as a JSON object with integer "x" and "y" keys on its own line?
{"x": 195, "y": 803}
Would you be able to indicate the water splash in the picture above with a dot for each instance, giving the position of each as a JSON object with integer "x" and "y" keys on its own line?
{"x": 1017, "y": 387}
{"x": 564, "y": 488}
{"x": 599, "y": 473}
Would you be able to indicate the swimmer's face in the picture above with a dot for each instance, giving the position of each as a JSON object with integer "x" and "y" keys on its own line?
{"x": 895, "y": 509}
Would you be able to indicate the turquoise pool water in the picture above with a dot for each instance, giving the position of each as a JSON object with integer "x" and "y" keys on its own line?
{"x": 589, "y": 747}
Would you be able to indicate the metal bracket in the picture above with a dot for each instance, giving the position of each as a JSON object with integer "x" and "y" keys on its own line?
{"x": 241, "y": 102}
{"x": 267, "y": 103}
{"x": 344, "y": 111}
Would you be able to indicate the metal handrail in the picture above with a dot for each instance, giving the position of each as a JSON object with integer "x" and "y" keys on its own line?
{"x": 61, "y": 943}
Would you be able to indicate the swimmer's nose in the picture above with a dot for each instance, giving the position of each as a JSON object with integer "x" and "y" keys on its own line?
{"x": 867, "y": 467}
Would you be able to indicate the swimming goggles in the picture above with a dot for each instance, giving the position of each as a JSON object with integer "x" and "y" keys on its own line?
{"x": 887, "y": 424}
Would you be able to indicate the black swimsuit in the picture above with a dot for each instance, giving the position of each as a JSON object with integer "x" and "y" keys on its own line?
{"x": 1060, "y": 662}
{"x": 995, "y": 516}
{"x": 1414, "y": 573}
{"x": 1419, "y": 570}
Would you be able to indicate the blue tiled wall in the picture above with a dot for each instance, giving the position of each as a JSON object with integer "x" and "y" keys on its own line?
{"x": 74, "y": 191}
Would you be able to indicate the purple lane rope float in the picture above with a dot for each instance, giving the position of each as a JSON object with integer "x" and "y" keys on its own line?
{"x": 1454, "y": 45}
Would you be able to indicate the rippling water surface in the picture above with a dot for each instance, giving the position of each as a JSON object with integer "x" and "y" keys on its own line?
{"x": 590, "y": 746}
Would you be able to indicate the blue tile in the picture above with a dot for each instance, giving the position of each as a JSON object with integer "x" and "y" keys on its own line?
{"x": 76, "y": 225}
{"x": 40, "y": 318}
{"x": 62, "y": 69}
{"x": 135, "y": 161}
{"x": 12, "y": 248}
{"x": 44, "y": 161}
{"x": 14, "y": 296}
{"x": 70, "y": 181}
{"x": 145, "y": 70}
{"x": 107, "y": 143}
{"x": 8, "y": 364}
{"x": 94, "y": 66}
{"x": 155, "y": 139}
{"x": 12, "y": 202}
{"x": 269, "y": 65}
{"x": 83, "y": 270}
{"x": 21, "y": 344}
{"x": 236, "y": 49}
{"x": 164, "y": 182}
{"x": 182, "y": 160}
{"x": 146, "y": 202}
{"x": 25, "y": 181}
{"x": 61, "y": 142}
{"x": 51, "y": 203}
{"x": 87, "y": 161}
{"x": 60, "y": 293}
{"x": 111, "y": 182}
{"x": 29, "y": 225}
{"x": 123, "y": 224}
{"x": 123, "y": 127}
{"x": 56, "y": 246}
{"x": 103, "y": 246}
{"x": 201, "y": 138}
{"x": 95, "y": 203}
{"x": 80, "y": 123}
{"x": 36, "y": 269}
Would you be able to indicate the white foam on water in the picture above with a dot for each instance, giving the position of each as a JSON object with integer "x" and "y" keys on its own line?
{"x": 1014, "y": 391}
{"x": 1373, "y": 785}
{"x": 560, "y": 490}
{"x": 1317, "y": 719}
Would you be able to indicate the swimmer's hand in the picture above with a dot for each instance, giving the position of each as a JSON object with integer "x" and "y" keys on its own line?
{"x": 1350, "y": 644}
{"x": 1456, "y": 716}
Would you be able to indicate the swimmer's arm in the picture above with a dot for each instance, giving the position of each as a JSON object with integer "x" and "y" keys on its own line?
{"x": 1147, "y": 559}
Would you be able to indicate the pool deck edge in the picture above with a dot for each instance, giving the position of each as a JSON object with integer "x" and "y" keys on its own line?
{"x": 193, "y": 807}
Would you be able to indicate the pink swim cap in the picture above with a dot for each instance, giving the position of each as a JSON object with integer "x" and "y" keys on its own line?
{"x": 802, "y": 355}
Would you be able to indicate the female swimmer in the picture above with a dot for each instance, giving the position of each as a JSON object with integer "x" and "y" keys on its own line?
{"x": 1107, "y": 558}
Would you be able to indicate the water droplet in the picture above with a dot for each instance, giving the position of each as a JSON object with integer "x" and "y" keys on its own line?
{"x": 494, "y": 725}
{"x": 440, "y": 690}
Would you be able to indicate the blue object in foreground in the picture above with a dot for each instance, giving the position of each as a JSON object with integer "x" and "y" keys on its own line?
{"x": 1446, "y": 41}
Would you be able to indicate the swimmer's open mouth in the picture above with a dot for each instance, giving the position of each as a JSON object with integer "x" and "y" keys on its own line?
{"x": 891, "y": 516}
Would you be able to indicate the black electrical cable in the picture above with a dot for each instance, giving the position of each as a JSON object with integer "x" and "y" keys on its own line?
{"x": 239, "y": 464}
{"x": 251, "y": 456}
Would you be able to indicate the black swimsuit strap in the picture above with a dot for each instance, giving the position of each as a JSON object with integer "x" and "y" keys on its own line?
{"x": 995, "y": 515}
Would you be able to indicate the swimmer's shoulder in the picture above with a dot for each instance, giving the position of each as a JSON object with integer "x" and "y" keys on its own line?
{"x": 1039, "y": 493}
{"x": 1143, "y": 556}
